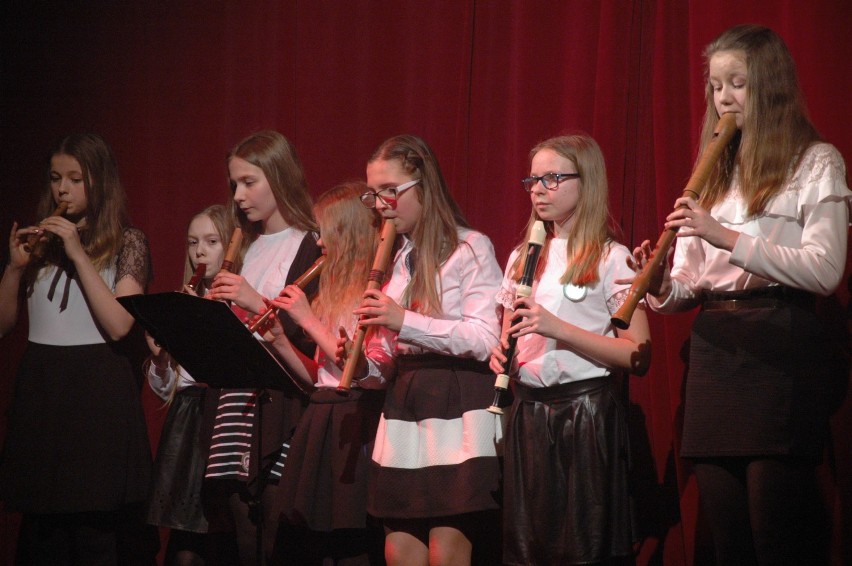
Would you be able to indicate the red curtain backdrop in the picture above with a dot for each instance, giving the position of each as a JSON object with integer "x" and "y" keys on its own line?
{"x": 174, "y": 85}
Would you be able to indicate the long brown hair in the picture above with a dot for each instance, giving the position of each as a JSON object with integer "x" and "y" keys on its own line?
{"x": 106, "y": 208}
{"x": 223, "y": 222}
{"x": 776, "y": 129}
{"x": 591, "y": 228}
{"x": 435, "y": 235}
{"x": 349, "y": 232}
{"x": 276, "y": 157}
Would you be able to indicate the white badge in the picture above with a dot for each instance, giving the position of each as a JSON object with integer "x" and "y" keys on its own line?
{"x": 573, "y": 292}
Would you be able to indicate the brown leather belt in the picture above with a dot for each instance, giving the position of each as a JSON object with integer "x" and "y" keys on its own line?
{"x": 739, "y": 304}
{"x": 772, "y": 297}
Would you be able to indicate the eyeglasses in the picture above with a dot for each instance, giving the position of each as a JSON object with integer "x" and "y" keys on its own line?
{"x": 550, "y": 181}
{"x": 388, "y": 196}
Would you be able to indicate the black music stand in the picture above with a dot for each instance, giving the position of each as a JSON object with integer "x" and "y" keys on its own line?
{"x": 211, "y": 342}
{"x": 208, "y": 339}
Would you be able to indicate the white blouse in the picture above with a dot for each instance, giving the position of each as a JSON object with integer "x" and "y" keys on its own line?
{"x": 269, "y": 258}
{"x": 59, "y": 312}
{"x": 544, "y": 362}
{"x": 73, "y": 326}
{"x": 469, "y": 324}
{"x": 328, "y": 374}
{"x": 798, "y": 241}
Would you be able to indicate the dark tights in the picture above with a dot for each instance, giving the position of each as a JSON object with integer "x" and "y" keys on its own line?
{"x": 201, "y": 549}
{"x": 245, "y": 524}
{"x": 92, "y": 538}
{"x": 762, "y": 510}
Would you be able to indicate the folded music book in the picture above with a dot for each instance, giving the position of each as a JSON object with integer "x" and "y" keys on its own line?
{"x": 210, "y": 341}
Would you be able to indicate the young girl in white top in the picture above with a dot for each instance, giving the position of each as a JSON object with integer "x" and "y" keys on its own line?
{"x": 76, "y": 456}
{"x": 767, "y": 236}
{"x": 272, "y": 206}
{"x": 566, "y": 497}
{"x": 435, "y": 477}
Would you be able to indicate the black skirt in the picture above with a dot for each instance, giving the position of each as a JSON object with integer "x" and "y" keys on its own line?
{"x": 179, "y": 467}
{"x": 324, "y": 484}
{"x": 566, "y": 497}
{"x": 76, "y": 437}
{"x": 757, "y": 382}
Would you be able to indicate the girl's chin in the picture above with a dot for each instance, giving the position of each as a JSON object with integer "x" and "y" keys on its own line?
{"x": 401, "y": 228}
{"x": 73, "y": 216}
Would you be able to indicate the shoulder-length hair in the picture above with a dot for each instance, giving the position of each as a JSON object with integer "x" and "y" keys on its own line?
{"x": 435, "y": 235}
{"x": 223, "y": 223}
{"x": 106, "y": 208}
{"x": 276, "y": 157}
{"x": 776, "y": 128}
{"x": 349, "y": 233}
{"x": 591, "y": 227}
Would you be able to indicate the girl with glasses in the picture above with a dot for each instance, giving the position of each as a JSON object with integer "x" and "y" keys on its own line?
{"x": 766, "y": 238}
{"x": 566, "y": 496}
{"x": 272, "y": 206}
{"x": 435, "y": 474}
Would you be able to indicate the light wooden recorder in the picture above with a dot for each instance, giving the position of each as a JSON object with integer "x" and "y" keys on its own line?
{"x": 725, "y": 130}
{"x": 375, "y": 280}
{"x": 35, "y": 245}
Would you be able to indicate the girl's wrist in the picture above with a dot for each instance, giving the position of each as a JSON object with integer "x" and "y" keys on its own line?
{"x": 162, "y": 361}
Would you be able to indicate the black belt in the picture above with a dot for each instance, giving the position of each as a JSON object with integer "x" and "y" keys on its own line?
{"x": 561, "y": 391}
{"x": 772, "y": 297}
{"x": 408, "y": 362}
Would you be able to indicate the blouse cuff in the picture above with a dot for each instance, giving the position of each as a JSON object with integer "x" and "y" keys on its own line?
{"x": 742, "y": 250}
{"x": 414, "y": 325}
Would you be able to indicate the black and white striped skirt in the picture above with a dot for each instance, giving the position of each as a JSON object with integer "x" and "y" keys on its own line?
{"x": 436, "y": 448}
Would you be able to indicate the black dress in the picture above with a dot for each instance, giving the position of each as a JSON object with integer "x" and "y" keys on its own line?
{"x": 76, "y": 438}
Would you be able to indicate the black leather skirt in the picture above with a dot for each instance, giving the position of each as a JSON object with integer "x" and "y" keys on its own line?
{"x": 566, "y": 497}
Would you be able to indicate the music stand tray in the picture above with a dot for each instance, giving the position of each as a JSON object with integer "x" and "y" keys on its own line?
{"x": 210, "y": 341}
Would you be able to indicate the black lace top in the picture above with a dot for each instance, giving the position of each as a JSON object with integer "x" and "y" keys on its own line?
{"x": 134, "y": 258}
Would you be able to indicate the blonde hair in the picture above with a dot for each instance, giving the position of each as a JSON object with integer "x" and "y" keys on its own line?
{"x": 349, "y": 232}
{"x": 776, "y": 129}
{"x": 591, "y": 228}
{"x": 223, "y": 222}
{"x": 273, "y": 154}
{"x": 435, "y": 235}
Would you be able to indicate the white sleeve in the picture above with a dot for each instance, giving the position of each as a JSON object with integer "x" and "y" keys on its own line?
{"x": 161, "y": 380}
{"x": 381, "y": 364}
{"x": 475, "y": 329}
{"x": 820, "y": 205}
{"x": 687, "y": 265}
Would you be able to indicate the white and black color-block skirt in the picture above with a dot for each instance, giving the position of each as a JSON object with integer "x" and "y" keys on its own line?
{"x": 436, "y": 451}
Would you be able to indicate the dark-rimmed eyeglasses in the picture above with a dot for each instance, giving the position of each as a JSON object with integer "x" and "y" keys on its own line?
{"x": 550, "y": 181}
{"x": 388, "y": 196}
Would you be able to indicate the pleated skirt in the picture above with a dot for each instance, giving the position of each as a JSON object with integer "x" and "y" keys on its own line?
{"x": 76, "y": 437}
{"x": 324, "y": 484}
{"x": 436, "y": 450}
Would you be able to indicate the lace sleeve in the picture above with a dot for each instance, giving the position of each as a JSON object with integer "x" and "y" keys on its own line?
{"x": 506, "y": 297}
{"x": 614, "y": 303}
{"x": 134, "y": 258}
